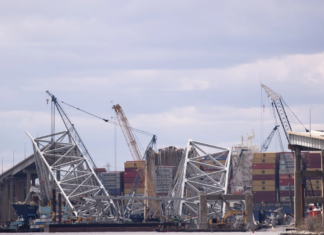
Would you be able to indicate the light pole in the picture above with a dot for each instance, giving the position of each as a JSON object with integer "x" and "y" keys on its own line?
{"x": 13, "y": 158}
{"x": 310, "y": 121}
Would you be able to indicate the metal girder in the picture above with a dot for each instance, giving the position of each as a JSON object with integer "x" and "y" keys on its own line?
{"x": 64, "y": 167}
{"x": 200, "y": 172}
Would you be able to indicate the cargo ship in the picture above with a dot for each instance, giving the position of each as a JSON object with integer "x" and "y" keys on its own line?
{"x": 271, "y": 175}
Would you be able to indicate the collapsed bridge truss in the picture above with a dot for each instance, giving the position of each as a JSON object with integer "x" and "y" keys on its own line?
{"x": 201, "y": 171}
{"x": 61, "y": 165}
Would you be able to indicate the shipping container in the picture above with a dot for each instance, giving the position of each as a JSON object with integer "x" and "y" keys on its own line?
{"x": 138, "y": 191}
{"x": 263, "y": 188}
{"x": 284, "y": 167}
{"x": 286, "y": 188}
{"x": 283, "y": 156}
{"x": 130, "y": 185}
{"x": 314, "y": 155}
{"x": 263, "y": 160}
{"x": 131, "y": 169}
{"x": 263, "y": 172}
{"x": 316, "y": 182}
{"x": 314, "y": 160}
{"x": 131, "y": 164}
{"x": 113, "y": 186}
{"x": 263, "y": 182}
{"x": 286, "y": 193}
{"x": 286, "y": 182}
{"x": 287, "y": 172}
{"x": 130, "y": 174}
{"x": 162, "y": 190}
{"x": 286, "y": 177}
{"x": 318, "y": 192}
{"x": 286, "y": 199}
{"x": 129, "y": 180}
{"x": 264, "y": 155}
{"x": 264, "y": 199}
{"x": 263, "y": 177}
{"x": 264, "y": 194}
{"x": 287, "y": 161}
{"x": 313, "y": 165}
{"x": 264, "y": 166}
{"x": 112, "y": 176}
{"x": 315, "y": 187}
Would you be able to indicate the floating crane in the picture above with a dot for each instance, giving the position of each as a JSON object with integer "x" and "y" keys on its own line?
{"x": 277, "y": 103}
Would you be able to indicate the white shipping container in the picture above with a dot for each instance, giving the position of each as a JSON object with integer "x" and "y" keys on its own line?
{"x": 162, "y": 190}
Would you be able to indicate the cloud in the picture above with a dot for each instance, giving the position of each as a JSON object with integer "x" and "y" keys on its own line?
{"x": 185, "y": 69}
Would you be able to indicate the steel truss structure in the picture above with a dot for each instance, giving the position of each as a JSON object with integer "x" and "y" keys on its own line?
{"x": 62, "y": 165}
{"x": 200, "y": 171}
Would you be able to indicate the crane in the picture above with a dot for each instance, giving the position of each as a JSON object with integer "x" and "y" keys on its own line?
{"x": 132, "y": 143}
{"x": 136, "y": 154}
{"x": 267, "y": 142}
{"x": 277, "y": 103}
{"x": 89, "y": 163}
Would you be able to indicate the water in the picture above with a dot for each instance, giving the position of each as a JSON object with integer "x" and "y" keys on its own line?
{"x": 269, "y": 232}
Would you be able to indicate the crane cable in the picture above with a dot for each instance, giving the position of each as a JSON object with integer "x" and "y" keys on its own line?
{"x": 106, "y": 120}
{"x": 293, "y": 113}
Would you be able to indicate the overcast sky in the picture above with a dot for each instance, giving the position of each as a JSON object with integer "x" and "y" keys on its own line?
{"x": 180, "y": 69}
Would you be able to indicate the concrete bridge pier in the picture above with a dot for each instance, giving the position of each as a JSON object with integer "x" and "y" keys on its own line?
{"x": 298, "y": 202}
{"x": 202, "y": 220}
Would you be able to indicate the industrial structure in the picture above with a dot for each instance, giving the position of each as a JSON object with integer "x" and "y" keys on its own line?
{"x": 200, "y": 183}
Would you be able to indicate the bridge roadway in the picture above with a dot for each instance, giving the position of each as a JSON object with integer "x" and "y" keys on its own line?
{"x": 15, "y": 184}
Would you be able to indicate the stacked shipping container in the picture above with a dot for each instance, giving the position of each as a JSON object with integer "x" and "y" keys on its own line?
{"x": 286, "y": 176}
{"x": 113, "y": 182}
{"x": 163, "y": 179}
{"x": 131, "y": 169}
{"x": 264, "y": 177}
{"x": 313, "y": 163}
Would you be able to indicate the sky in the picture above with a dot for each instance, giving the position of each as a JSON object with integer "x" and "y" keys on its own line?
{"x": 180, "y": 70}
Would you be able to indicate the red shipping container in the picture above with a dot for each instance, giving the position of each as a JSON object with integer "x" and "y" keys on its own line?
{"x": 313, "y": 165}
{"x": 286, "y": 177}
{"x": 286, "y": 182}
{"x": 264, "y": 166}
{"x": 264, "y": 199}
{"x": 129, "y": 180}
{"x": 286, "y": 193}
{"x": 130, "y": 174}
{"x": 263, "y": 177}
{"x": 264, "y": 194}
{"x": 313, "y": 160}
{"x": 131, "y": 169}
{"x": 318, "y": 192}
{"x": 314, "y": 155}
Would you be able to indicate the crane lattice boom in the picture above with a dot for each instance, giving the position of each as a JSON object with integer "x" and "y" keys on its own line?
{"x": 133, "y": 146}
